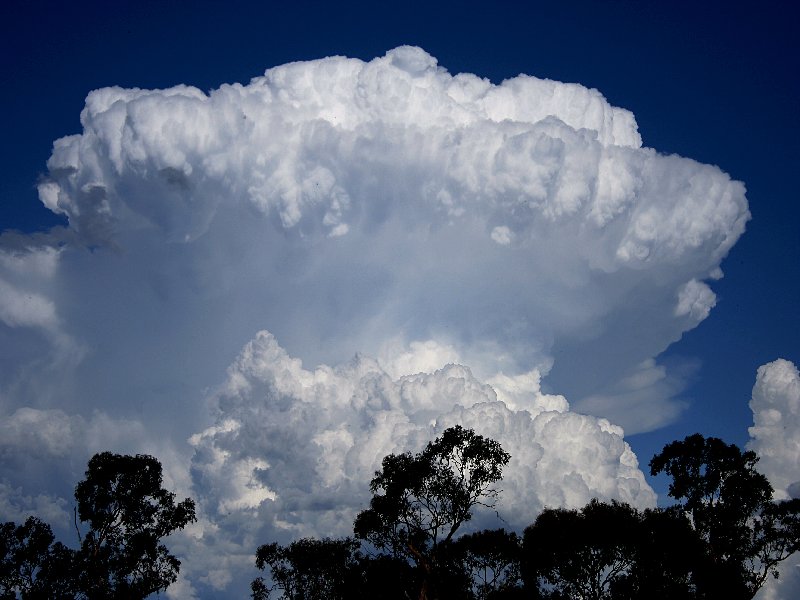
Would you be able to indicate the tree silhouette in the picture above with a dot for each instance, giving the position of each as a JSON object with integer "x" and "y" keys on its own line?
{"x": 420, "y": 501}
{"x": 128, "y": 513}
{"x": 120, "y": 556}
{"x": 581, "y": 555}
{"x": 744, "y": 533}
{"x": 308, "y": 568}
{"x": 667, "y": 552}
{"x": 31, "y": 563}
{"x": 722, "y": 539}
{"x": 491, "y": 561}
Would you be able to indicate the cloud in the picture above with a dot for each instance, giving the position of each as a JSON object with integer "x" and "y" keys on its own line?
{"x": 49, "y": 433}
{"x": 775, "y": 437}
{"x": 398, "y": 200}
{"x": 293, "y": 450}
{"x": 16, "y": 506}
{"x": 775, "y": 434}
{"x": 384, "y": 209}
{"x": 645, "y": 398}
{"x": 696, "y": 300}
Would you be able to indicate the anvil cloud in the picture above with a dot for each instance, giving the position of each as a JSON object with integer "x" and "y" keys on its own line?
{"x": 474, "y": 246}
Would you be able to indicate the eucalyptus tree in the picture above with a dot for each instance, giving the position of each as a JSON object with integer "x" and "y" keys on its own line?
{"x": 745, "y": 534}
{"x": 420, "y": 501}
{"x": 128, "y": 513}
{"x": 125, "y": 514}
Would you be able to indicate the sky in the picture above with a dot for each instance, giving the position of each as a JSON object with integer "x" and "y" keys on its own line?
{"x": 571, "y": 227}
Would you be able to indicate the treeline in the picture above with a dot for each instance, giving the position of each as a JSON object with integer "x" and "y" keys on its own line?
{"x": 722, "y": 539}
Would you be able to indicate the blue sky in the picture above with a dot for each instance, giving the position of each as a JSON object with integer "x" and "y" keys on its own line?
{"x": 714, "y": 82}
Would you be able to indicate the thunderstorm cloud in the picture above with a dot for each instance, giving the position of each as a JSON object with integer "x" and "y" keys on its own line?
{"x": 270, "y": 286}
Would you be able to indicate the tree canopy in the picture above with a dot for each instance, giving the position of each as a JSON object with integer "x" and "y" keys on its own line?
{"x": 420, "y": 501}
{"x": 722, "y": 539}
{"x": 32, "y": 564}
{"x": 121, "y": 555}
{"x": 128, "y": 513}
{"x": 745, "y": 534}
{"x": 582, "y": 554}
{"x": 307, "y": 568}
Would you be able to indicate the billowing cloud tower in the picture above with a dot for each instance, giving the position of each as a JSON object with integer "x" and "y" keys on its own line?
{"x": 479, "y": 248}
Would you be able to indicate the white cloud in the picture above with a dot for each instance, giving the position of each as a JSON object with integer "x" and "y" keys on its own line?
{"x": 502, "y": 235}
{"x": 775, "y": 434}
{"x": 642, "y": 400}
{"x": 50, "y": 433}
{"x": 24, "y": 291}
{"x": 375, "y": 190}
{"x": 326, "y": 430}
{"x": 386, "y": 208}
{"x": 16, "y": 506}
{"x": 775, "y": 437}
{"x": 695, "y": 299}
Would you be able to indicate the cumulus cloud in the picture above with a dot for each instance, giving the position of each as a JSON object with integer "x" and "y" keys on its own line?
{"x": 775, "y": 437}
{"x": 293, "y": 449}
{"x": 383, "y": 209}
{"x": 17, "y": 506}
{"x": 775, "y": 434}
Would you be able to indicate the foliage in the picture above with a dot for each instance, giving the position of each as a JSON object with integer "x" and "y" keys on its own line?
{"x": 120, "y": 556}
{"x": 581, "y": 554}
{"x": 128, "y": 513}
{"x": 491, "y": 560}
{"x": 428, "y": 496}
{"x": 667, "y": 553}
{"x": 722, "y": 539}
{"x": 718, "y": 486}
{"x": 745, "y": 535}
{"x": 386, "y": 577}
{"x": 307, "y": 568}
{"x": 31, "y": 563}
{"x": 420, "y": 501}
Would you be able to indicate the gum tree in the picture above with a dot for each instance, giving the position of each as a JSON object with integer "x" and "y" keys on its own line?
{"x": 421, "y": 500}
{"x": 745, "y": 534}
{"x": 128, "y": 513}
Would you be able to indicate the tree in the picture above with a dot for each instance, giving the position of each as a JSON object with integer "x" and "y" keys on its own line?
{"x": 420, "y": 501}
{"x": 128, "y": 514}
{"x": 666, "y": 556}
{"x": 329, "y": 569}
{"x": 120, "y": 556}
{"x": 581, "y": 555}
{"x": 745, "y": 535}
{"x": 491, "y": 559}
{"x": 32, "y": 564}
{"x": 308, "y": 569}
{"x": 775, "y": 536}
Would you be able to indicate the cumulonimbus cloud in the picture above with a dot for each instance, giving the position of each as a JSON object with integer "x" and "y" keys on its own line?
{"x": 398, "y": 200}
{"x": 386, "y": 208}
